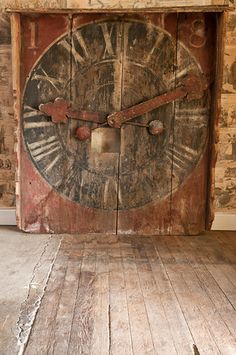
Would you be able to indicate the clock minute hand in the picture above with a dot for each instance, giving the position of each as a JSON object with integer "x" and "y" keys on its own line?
{"x": 192, "y": 87}
{"x": 60, "y": 111}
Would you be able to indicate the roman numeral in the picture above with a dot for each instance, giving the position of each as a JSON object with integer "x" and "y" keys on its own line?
{"x": 156, "y": 46}
{"x": 43, "y": 148}
{"x": 148, "y": 183}
{"x": 48, "y": 168}
{"x": 107, "y": 38}
{"x": 189, "y": 112}
{"x": 181, "y": 156}
{"x": 180, "y": 73}
{"x": 197, "y": 117}
{"x": 33, "y": 125}
{"x": 69, "y": 183}
{"x": 109, "y": 189}
{"x": 33, "y": 30}
{"x": 56, "y": 83}
{"x": 189, "y": 153}
{"x": 31, "y": 113}
{"x": 126, "y": 36}
{"x": 71, "y": 48}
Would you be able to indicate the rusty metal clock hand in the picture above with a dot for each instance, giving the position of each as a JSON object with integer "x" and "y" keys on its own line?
{"x": 192, "y": 87}
{"x": 60, "y": 111}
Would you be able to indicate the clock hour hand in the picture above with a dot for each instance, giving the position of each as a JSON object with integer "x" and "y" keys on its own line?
{"x": 60, "y": 111}
{"x": 193, "y": 87}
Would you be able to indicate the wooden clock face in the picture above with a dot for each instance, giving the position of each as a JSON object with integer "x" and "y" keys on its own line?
{"x": 107, "y": 66}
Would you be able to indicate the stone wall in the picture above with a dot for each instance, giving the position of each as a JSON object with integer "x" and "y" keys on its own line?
{"x": 225, "y": 183}
{"x": 7, "y": 123}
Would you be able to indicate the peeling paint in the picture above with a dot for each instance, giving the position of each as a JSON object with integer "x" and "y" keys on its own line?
{"x": 30, "y": 306}
{"x": 39, "y": 218}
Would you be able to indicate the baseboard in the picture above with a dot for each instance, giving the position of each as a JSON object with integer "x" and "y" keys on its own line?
{"x": 224, "y": 221}
{"x": 7, "y": 216}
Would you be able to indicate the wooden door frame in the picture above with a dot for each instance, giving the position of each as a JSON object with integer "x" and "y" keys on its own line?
{"x": 216, "y": 90}
{"x": 214, "y": 120}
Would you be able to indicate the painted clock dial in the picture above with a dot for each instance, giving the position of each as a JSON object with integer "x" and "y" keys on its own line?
{"x": 106, "y": 66}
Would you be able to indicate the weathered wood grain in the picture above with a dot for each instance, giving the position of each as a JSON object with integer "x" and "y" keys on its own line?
{"x": 219, "y": 319}
{"x": 184, "y": 282}
{"x": 138, "y": 317}
{"x": 138, "y": 295}
{"x": 159, "y": 325}
{"x": 7, "y": 179}
{"x": 116, "y": 173}
{"x": 220, "y": 274}
{"x": 111, "y": 5}
{"x": 101, "y": 332}
{"x": 180, "y": 331}
{"x": 84, "y": 312}
{"x": 60, "y": 337}
{"x": 144, "y": 170}
{"x": 77, "y": 172}
{"x": 131, "y": 4}
{"x": 23, "y": 4}
{"x": 191, "y": 125}
{"x": 215, "y": 116}
{"x": 120, "y": 335}
{"x": 44, "y": 328}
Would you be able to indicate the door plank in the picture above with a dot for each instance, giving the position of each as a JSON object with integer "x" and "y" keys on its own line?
{"x": 119, "y": 180}
{"x": 101, "y": 332}
{"x": 140, "y": 328}
{"x": 60, "y": 337}
{"x": 36, "y": 152}
{"x": 223, "y": 281}
{"x": 158, "y": 295}
{"x": 144, "y": 171}
{"x": 209, "y": 299}
{"x": 226, "y": 239}
{"x": 121, "y": 342}
{"x": 194, "y": 316}
{"x": 83, "y": 318}
{"x": 159, "y": 326}
{"x": 181, "y": 334}
{"x": 43, "y": 329}
{"x": 191, "y": 133}
{"x": 78, "y": 182}
{"x": 219, "y": 261}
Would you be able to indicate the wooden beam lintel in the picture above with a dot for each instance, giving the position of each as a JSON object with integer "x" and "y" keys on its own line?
{"x": 210, "y": 8}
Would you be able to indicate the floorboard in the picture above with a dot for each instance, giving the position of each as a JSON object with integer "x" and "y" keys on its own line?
{"x": 139, "y": 295}
{"x": 120, "y": 334}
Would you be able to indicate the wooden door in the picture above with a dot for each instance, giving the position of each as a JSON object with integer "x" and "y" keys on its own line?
{"x": 119, "y": 180}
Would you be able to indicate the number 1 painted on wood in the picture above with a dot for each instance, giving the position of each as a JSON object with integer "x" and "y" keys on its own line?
{"x": 33, "y": 35}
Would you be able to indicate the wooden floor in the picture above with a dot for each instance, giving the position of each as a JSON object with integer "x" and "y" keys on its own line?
{"x": 139, "y": 295}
